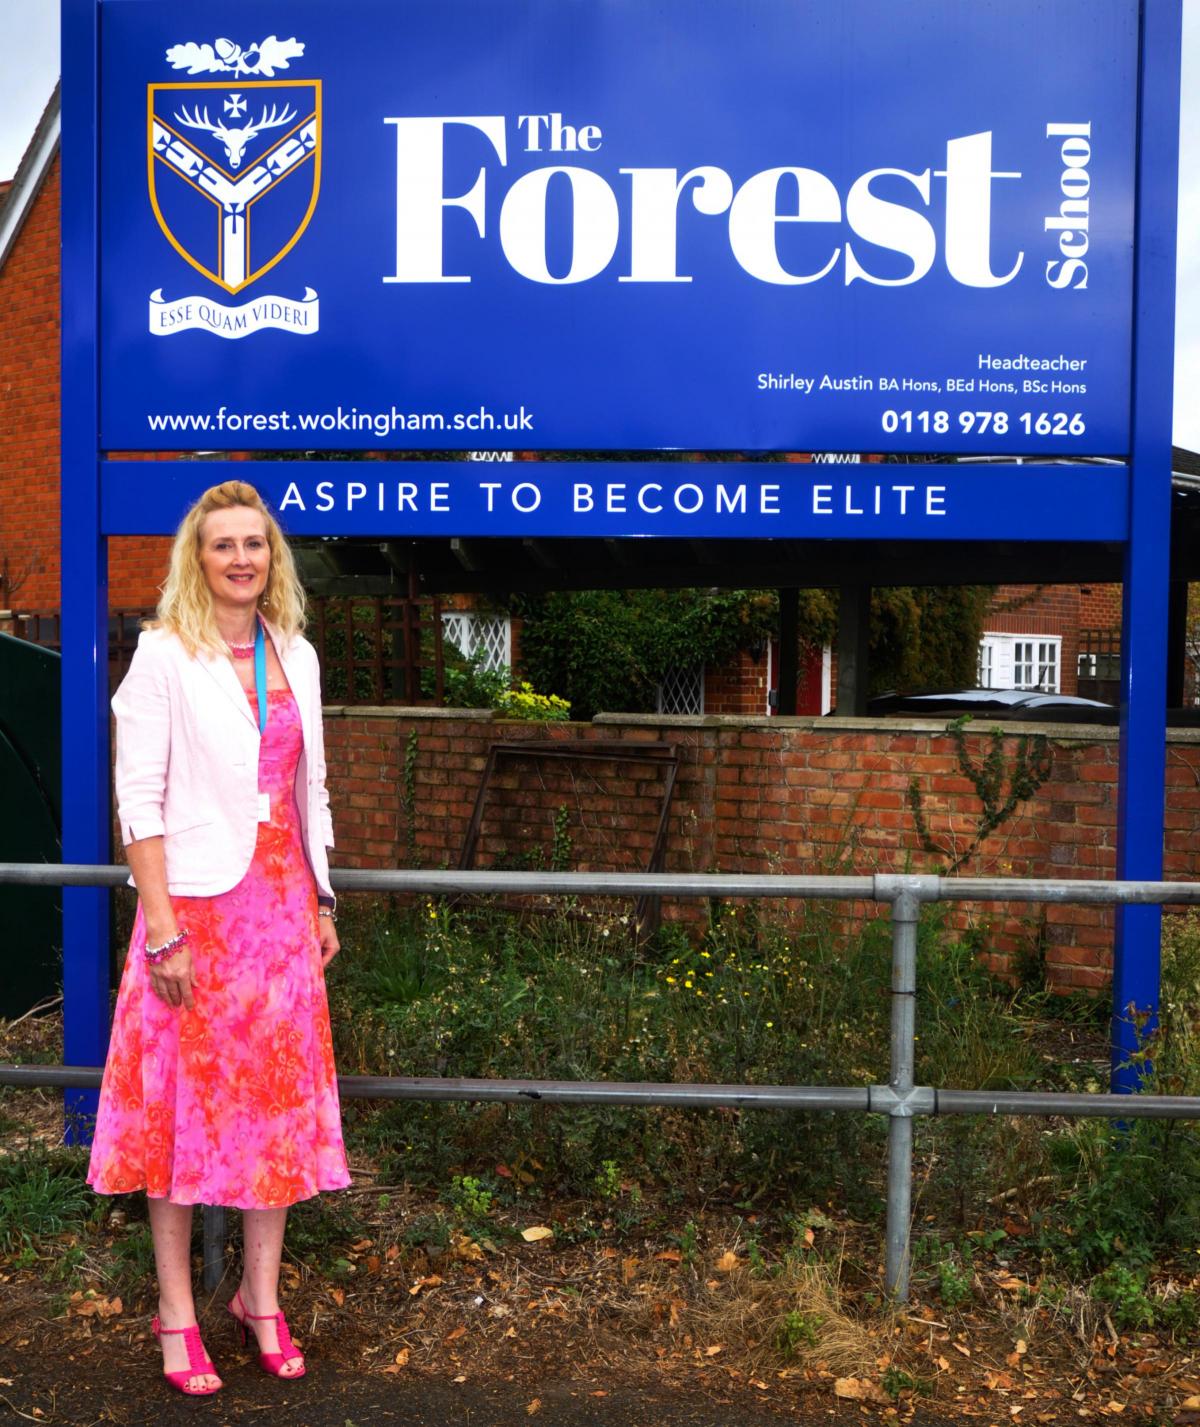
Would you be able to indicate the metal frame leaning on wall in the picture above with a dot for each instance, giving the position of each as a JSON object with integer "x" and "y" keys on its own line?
{"x": 900, "y": 1099}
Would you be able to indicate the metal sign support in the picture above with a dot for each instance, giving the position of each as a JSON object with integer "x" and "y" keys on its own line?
{"x": 1141, "y": 789}
{"x": 86, "y": 834}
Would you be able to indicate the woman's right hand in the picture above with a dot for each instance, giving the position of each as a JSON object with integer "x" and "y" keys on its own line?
{"x": 171, "y": 979}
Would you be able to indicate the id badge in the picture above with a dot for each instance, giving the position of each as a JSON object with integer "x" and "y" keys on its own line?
{"x": 264, "y": 807}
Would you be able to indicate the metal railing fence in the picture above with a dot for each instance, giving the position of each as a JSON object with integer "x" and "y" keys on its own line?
{"x": 901, "y": 1099}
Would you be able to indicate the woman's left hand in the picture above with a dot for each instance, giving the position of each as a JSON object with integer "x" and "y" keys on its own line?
{"x": 330, "y": 946}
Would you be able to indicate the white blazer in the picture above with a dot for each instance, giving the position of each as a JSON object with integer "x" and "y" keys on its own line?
{"x": 187, "y": 761}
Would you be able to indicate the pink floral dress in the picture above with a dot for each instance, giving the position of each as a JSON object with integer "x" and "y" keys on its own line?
{"x": 234, "y": 1102}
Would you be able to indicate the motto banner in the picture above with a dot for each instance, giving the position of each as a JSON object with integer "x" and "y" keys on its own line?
{"x": 711, "y": 224}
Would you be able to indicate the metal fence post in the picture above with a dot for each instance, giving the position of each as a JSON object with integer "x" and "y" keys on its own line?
{"x": 214, "y": 1246}
{"x": 906, "y": 912}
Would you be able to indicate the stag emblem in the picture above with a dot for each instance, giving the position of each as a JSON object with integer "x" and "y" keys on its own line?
{"x": 254, "y": 167}
{"x": 235, "y": 140}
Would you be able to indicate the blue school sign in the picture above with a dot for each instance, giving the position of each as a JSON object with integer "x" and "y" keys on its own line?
{"x": 742, "y": 225}
{"x": 698, "y": 224}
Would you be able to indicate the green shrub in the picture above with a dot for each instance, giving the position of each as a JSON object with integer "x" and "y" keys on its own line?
{"x": 467, "y": 684}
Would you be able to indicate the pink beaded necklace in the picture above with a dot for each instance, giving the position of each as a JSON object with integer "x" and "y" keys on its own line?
{"x": 240, "y": 651}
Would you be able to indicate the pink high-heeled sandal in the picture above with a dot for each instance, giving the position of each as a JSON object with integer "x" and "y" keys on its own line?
{"x": 272, "y": 1363}
{"x": 198, "y": 1362}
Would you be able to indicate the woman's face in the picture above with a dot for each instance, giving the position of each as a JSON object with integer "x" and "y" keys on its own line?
{"x": 235, "y": 557}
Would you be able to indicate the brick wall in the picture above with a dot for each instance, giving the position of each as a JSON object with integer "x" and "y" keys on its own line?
{"x": 30, "y": 357}
{"x": 29, "y": 401}
{"x": 1100, "y": 607}
{"x": 737, "y": 687}
{"x": 757, "y": 795}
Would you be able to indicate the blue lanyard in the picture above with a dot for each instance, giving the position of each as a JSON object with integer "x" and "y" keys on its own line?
{"x": 260, "y": 674}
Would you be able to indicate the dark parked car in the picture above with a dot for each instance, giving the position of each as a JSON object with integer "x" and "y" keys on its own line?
{"x": 1008, "y": 704}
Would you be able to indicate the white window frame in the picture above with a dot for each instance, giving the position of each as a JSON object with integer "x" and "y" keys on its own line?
{"x": 1021, "y": 661}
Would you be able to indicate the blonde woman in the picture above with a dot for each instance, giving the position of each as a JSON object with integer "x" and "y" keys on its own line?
{"x": 220, "y": 1085}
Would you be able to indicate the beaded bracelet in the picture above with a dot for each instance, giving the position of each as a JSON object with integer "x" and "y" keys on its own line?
{"x": 156, "y": 954}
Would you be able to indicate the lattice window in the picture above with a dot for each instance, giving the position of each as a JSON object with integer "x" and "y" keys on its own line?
{"x": 475, "y": 633}
{"x": 682, "y": 691}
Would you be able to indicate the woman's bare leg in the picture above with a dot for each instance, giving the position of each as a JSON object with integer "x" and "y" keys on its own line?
{"x": 262, "y": 1237}
{"x": 171, "y": 1228}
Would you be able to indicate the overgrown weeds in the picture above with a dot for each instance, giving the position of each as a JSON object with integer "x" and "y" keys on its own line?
{"x": 42, "y": 1195}
{"x": 1045, "y": 1222}
{"x": 441, "y": 990}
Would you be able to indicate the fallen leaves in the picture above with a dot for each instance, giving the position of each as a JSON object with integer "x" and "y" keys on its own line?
{"x": 429, "y": 1281}
{"x": 538, "y": 1232}
{"x": 462, "y": 1246}
{"x": 860, "y": 1389}
{"x": 91, "y": 1305}
{"x": 728, "y": 1262}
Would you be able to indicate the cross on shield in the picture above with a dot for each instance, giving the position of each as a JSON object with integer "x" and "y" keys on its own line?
{"x": 234, "y": 171}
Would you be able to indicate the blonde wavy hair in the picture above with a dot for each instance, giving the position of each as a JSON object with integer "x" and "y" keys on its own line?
{"x": 185, "y": 607}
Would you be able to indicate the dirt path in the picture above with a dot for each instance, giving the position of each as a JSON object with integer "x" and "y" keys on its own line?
{"x": 128, "y": 1393}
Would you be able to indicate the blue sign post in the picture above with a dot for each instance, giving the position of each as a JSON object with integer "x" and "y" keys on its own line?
{"x": 704, "y": 224}
{"x": 1141, "y": 789}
